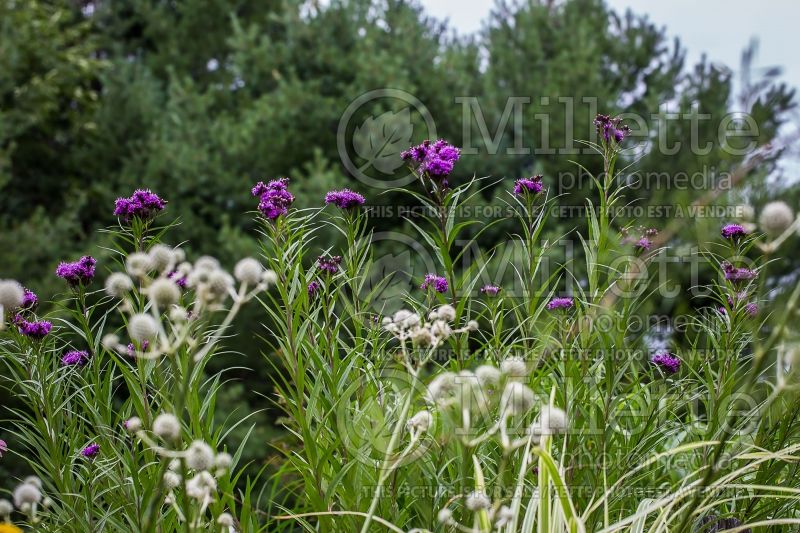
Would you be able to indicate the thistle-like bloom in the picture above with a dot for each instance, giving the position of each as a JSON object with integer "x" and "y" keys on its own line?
{"x": 29, "y": 301}
{"x": 733, "y": 273}
{"x": 733, "y": 231}
{"x": 3, "y": 447}
{"x": 143, "y": 204}
{"x": 490, "y": 290}
{"x": 329, "y": 264}
{"x": 750, "y": 309}
{"x": 560, "y": 303}
{"x": 35, "y": 330}
{"x": 611, "y": 128}
{"x": 344, "y": 199}
{"x": 439, "y": 283}
{"x": 274, "y": 197}
{"x": 80, "y": 272}
{"x": 532, "y": 185}
{"x": 75, "y": 357}
{"x": 91, "y": 451}
{"x": 313, "y": 287}
{"x": 666, "y": 362}
{"x": 642, "y": 245}
{"x": 433, "y": 158}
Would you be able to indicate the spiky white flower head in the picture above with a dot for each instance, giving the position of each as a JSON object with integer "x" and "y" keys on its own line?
{"x": 179, "y": 254}
{"x": 441, "y": 329}
{"x": 133, "y": 424}
{"x": 269, "y": 277}
{"x": 776, "y": 217}
{"x": 171, "y": 480}
{"x": 110, "y": 341}
{"x": 517, "y": 399}
{"x": 478, "y": 501}
{"x": 162, "y": 257}
{"x": 178, "y": 314}
{"x": 442, "y": 386}
{"x": 174, "y": 465}
{"x": 167, "y": 426}
{"x": 33, "y": 480}
{"x": 745, "y": 212}
{"x": 445, "y": 515}
{"x": 199, "y": 456}
{"x": 225, "y": 520}
{"x": 468, "y": 389}
{"x": 164, "y": 292}
{"x": 446, "y": 312}
{"x": 6, "y": 508}
{"x": 118, "y": 285}
{"x": 552, "y": 420}
{"x": 514, "y": 367}
{"x": 201, "y": 486}
{"x": 223, "y": 461}
{"x": 184, "y": 269}
{"x": 504, "y": 516}
{"x": 421, "y": 336}
{"x": 138, "y": 264}
{"x": 472, "y": 325}
{"x": 47, "y": 502}
{"x": 27, "y": 493}
{"x": 206, "y": 262}
{"x": 11, "y": 294}
{"x": 142, "y": 327}
{"x": 220, "y": 282}
{"x": 406, "y": 319}
{"x": 420, "y": 421}
{"x": 487, "y": 375}
{"x": 248, "y": 270}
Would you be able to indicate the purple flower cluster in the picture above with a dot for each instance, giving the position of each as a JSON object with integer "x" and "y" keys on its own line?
{"x": 143, "y": 204}
{"x": 313, "y": 287}
{"x": 329, "y": 264}
{"x": 132, "y": 348}
{"x": 75, "y": 357}
{"x": 750, "y": 309}
{"x": 643, "y": 245}
{"x": 433, "y": 158}
{"x": 733, "y": 231}
{"x": 560, "y": 303}
{"x": 490, "y": 290}
{"x": 611, "y": 128}
{"x": 439, "y": 283}
{"x": 666, "y": 362}
{"x": 733, "y": 273}
{"x": 274, "y": 197}
{"x": 344, "y": 199}
{"x": 91, "y": 451}
{"x": 179, "y": 279}
{"x": 79, "y": 272}
{"x": 29, "y": 301}
{"x": 532, "y": 185}
{"x": 37, "y": 329}
{"x": 3, "y": 447}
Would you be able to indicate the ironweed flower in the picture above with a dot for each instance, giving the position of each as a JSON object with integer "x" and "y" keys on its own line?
{"x": 29, "y": 300}
{"x": 91, "y": 451}
{"x": 274, "y": 197}
{"x": 436, "y": 159}
{"x": 733, "y": 231}
{"x": 560, "y": 303}
{"x": 439, "y": 283}
{"x": 611, "y": 128}
{"x": 329, "y": 264}
{"x": 733, "y": 273}
{"x": 490, "y": 290}
{"x": 532, "y": 185}
{"x": 35, "y": 329}
{"x": 667, "y": 362}
{"x": 313, "y": 287}
{"x": 80, "y": 272}
{"x": 143, "y": 204}
{"x": 344, "y": 199}
{"x": 75, "y": 357}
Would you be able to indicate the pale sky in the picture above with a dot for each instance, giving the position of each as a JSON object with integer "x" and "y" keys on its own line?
{"x": 719, "y": 28}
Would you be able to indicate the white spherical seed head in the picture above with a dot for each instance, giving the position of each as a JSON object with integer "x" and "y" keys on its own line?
{"x": 517, "y": 399}
{"x": 420, "y": 421}
{"x": 206, "y": 262}
{"x": 223, "y": 461}
{"x": 118, "y": 285}
{"x": 487, "y": 375}
{"x": 27, "y": 494}
{"x": 249, "y": 271}
{"x": 33, "y": 480}
{"x": 478, "y": 501}
{"x": 515, "y": 368}
{"x": 133, "y": 424}
{"x": 745, "y": 212}
{"x": 552, "y": 420}
{"x": 225, "y": 520}
{"x": 445, "y": 515}
{"x": 142, "y": 327}
{"x": 199, "y": 456}
{"x": 442, "y": 385}
{"x": 6, "y": 508}
{"x": 179, "y": 254}
{"x": 473, "y": 325}
{"x": 164, "y": 292}
{"x": 171, "y": 480}
{"x": 162, "y": 257}
{"x": 138, "y": 264}
{"x": 776, "y": 217}
{"x": 178, "y": 314}
{"x": 47, "y": 502}
{"x": 110, "y": 341}
{"x": 167, "y": 426}
{"x": 269, "y": 277}
{"x": 220, "y": 282}
{"x": 11, "y": 294}
{"x": 446, "y": 312}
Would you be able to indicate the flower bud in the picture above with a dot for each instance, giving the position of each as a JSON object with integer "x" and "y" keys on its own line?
{"x": 171, "y": 480}
{"x": 199, "y": 456}
{"x": 776, "y": 217}
{"x": 162, "y": 257}
{"x": 118, "y": 285}
{"x": 142, "y": 327}
{"x": 248, "y": 271}
{"x": 167, "y": 426}
{"x": 517, "y": 399}
{"x": 164, "y": 292}
{"x": 133, "y": 424}
{"x": 552, "y": 420}
{"x": 11, "y": 294}
{"x": 138, "y": 264}
{"x": 269, "y": 277}
{"x": 446, "y": 312}
{"x": 225, "y": 520}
